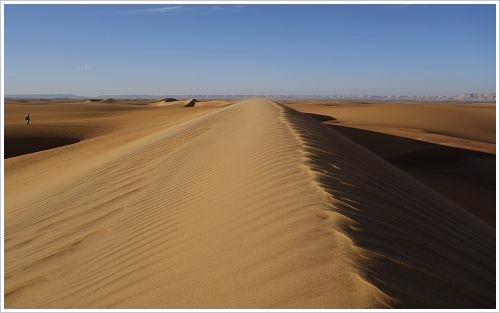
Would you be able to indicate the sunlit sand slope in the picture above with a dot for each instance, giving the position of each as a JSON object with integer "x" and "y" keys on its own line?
{"x": 253, "y": 205}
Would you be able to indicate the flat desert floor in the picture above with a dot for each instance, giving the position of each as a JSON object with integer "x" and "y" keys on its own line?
{"x": 249, "y": 204}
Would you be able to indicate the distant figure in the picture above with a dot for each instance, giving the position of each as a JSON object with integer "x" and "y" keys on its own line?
{"x": 28, "y": 119}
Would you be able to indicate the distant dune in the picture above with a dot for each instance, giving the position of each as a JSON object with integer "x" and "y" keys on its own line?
{"x": 190, "y": 103}
{"x": 227, "y": 205}
{"x": 168, "y": 99}
{"x": 473, "y": 122}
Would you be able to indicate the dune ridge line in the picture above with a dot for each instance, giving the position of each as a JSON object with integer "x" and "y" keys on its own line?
{"x": 415, "y": 245}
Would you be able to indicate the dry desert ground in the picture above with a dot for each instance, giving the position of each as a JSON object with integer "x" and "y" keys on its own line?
{"x": 249, "y": 204}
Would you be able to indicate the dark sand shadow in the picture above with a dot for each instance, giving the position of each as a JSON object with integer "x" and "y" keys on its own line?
{"x": 15, "y": 146}
{"x": 321, "y": 117}
{"x": 464, "y": 176}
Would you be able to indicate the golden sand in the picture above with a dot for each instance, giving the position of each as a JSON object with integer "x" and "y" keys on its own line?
{"x": 225, "y": 205}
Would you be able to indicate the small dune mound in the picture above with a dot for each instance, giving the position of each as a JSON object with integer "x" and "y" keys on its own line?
{"x": 94, "y": 100}
{"x": 190, "y": 103}
{"x": 168, "y": 100}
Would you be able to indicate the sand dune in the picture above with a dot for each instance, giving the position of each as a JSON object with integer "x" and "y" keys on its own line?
{"x": 416, "y": 138}
{"x": 469, "y": 126}
{"x": 168, "y": 102}
{"x": 171, "y": 102}
{"x": 190, "y": 103}
{"x": 251, "y": 205}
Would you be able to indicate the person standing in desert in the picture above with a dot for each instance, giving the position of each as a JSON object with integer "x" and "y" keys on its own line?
{"x": 28, "y": 119}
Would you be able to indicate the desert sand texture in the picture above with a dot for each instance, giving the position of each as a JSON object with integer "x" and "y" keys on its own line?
{"x": 251, "y": 204}
{"x": 449, "y": 146}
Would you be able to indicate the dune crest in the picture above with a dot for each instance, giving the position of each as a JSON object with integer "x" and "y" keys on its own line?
{"x": 415, "y": 245}
{"x": 250, "y": 206}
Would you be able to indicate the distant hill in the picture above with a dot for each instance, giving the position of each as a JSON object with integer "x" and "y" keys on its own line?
{"x": 467, "y": 97}
{"x": 131, "y": 96}
{"x": 45, "y": 96}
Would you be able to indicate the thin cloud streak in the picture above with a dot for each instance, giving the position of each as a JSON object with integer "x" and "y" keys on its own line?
{"x": 240, "y": 8}
{"x": 167, "y": 9}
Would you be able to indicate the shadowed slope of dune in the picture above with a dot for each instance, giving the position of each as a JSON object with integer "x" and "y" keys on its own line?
{"x": 250, "y": 206}
{"x": 466, "y": 177}
{"x": 413, "y": 137}
{"x": 475, "y": 122}
{"x": 416, "y": 246}
{"x": 466, "y": 126}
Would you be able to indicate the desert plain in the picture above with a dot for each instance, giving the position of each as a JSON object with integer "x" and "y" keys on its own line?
{"x": 249, "y": 204}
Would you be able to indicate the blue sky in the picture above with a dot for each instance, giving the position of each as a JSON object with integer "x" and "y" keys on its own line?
{"x": 250, "y": 49}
